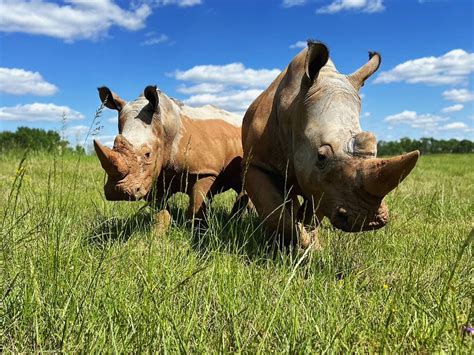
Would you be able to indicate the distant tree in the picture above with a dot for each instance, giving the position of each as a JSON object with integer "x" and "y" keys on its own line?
{"x": 80, "y": 149}
{"x": 425, "y": 146}
{"x": 32, "y": 138}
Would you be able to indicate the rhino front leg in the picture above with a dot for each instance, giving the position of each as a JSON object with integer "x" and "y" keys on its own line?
{"x": 271, "y": 205}
{"x": 309, "y": 219}
{"x": 200, "y": 190}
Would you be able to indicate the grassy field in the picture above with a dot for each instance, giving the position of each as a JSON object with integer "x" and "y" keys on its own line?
{"x": 78, "y": 273}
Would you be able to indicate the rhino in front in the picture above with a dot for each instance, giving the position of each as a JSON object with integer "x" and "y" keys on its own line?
{"x": 164, "y": 147}
{"x": 302, "y": 136}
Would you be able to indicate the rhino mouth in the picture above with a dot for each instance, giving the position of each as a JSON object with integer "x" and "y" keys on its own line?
{"x": 115, "y": 192}
{"x": 350, "y": 221}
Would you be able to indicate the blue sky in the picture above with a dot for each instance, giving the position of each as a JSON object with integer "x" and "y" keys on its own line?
{"x": 54, "y": 54}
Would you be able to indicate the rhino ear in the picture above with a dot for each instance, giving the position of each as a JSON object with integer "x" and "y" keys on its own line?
{"x": 110, "y": 99}
{"x": 152, "y": 96}
{"x": 316, "y": 57}
{"x": 359, "y": 77}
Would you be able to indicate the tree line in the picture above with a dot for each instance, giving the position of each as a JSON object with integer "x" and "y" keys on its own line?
{"x": 36, "y": 139}
{"x": 39, "y": 139}
{"x": 425, "y": 146}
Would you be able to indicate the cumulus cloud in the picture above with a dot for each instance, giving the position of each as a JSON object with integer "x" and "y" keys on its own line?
{"x": 38, "y": 112}
{"x": 76, "y": 19}
{"x": 291, "y": 3}
{"x": 453, "y": 108}
{"x": 16, "y": 81}
{"x": 458, "y": 95}
{"x": 153, "y": 39}
{"x": 76, "y": 131}
{"x": 455, "y": 126}
{"x": 229, "y": 74}
{"x": 298, "y": 44}
{"x": 236, "y": 101}
{"x": 453, "y": 67}
{"x": 204, "y": 88}
{"x": 368, "y": 6}
{"x": 231, "y": 86}
{"x": 180, "y": 3}
{"x": 415, "y": 120}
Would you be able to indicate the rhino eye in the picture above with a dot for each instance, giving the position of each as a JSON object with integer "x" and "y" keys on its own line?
{"x": 324, "y": 153}
{"x": 147, "y": 155}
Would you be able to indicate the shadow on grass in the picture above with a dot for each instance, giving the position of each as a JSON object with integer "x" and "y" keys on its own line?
{"x": 105, "y": 230}
{"x": 242, "y": 235}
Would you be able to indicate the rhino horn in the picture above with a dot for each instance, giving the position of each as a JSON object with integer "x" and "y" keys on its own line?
{"x": 109, "y": 159}
{"x": 380, "y": 176}
{"x": 359, "y": 77}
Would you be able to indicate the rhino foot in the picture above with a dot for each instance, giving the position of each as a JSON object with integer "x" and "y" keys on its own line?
{"x": 162, "y": 222}
{"x": 308, "y": 239}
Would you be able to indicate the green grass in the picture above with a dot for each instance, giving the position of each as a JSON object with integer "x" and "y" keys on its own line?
{"x": 78, "y": 273}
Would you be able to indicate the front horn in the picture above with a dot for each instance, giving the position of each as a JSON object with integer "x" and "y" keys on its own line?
{"x": 108, "y": 159}
{"x": 380, "y": 176}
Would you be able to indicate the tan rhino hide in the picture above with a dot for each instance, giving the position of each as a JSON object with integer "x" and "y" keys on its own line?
{"x": 164, "y": 147}
{"x": 302, "y": 136}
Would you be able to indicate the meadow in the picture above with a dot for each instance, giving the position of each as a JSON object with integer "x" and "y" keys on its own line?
{"x": 79, "y": 273}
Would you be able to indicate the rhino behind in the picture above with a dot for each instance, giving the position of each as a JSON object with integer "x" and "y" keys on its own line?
{"x": 164, "y": 147}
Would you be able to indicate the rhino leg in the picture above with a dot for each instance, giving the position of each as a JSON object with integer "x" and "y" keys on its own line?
{"x": 242, "y": 203}
{"x": 271, "y": 205}
{"x": 200, "y": 190}
{"x": 309, "y": 218}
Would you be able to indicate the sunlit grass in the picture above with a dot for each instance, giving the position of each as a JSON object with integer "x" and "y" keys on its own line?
{"x": 78, "y": 273}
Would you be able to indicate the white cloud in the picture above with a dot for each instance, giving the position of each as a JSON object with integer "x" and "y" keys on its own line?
{"x": 153, "y": 39}
{"x": 229, "y": 74}
{"x": 38, "y": 112}
{"x": 21, "y": 82}
{"x": 299, "y": 44}
{"x": 453, "y": 108}
{"x": 454, "y": 126}
{"x": 291, "y": 3}
{"x": 232, "y": 86}
{"x": 458, "y": 95}
{"x": 77, "y": 19}
{"x": 235, "y": 101}
{"x": 76, "y": 131}
{"x": 415, "y": 120}
{"x": 369, "y": 6}
{"x": 204, "y": 88}
{"x": 180, "y": 3}
{"x": 365, "y": 114}
{"x": 453, "y": 67}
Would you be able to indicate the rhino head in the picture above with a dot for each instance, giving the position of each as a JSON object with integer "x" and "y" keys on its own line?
{"x": 138, "y": 152}
{"x": 335, "y": 161}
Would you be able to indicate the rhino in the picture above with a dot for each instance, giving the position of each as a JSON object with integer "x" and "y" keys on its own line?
{"x": 164, "y": 147}
{"x": 302, "y": 137}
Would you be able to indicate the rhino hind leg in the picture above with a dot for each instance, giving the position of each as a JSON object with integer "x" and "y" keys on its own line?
{"x": 200, "y": 191}
{"x": 242, "y": 203}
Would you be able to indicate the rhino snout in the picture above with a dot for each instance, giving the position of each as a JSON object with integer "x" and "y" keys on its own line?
{"x": 348, "y": 220}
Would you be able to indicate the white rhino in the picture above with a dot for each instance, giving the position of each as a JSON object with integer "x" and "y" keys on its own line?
{"x": 164, "y": 147}
{"x": 302, "y": 136}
